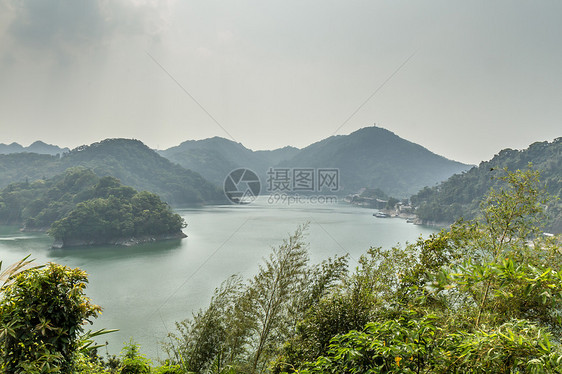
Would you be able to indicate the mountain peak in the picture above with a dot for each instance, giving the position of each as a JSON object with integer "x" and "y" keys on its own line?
{"x": 35, "y": 147}
{"x": 377, "y": 158}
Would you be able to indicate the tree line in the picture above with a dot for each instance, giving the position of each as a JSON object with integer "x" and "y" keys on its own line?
{"x": 461, "y": 195}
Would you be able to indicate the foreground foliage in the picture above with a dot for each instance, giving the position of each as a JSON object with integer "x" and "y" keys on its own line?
{"x": 484, "y": 296}
{"x": 42, "y": 313}
{"x": 246, "y": 323}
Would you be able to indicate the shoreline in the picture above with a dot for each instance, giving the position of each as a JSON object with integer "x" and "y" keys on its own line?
{"x": 412, "y": 217}
{"x": 118, "y": 242}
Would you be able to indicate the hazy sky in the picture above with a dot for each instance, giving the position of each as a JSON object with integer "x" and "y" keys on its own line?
{"x": 462, "y": 78}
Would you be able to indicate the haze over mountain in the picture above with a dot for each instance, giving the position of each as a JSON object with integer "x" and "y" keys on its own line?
{"x": 377, "y": 158}
{"x": 461, "y": 194}
{"x": 215, "y": 157}
{"x": 371, "y": 157}
{"x": 36, "y": 147}
{"x": 132, "y": 162}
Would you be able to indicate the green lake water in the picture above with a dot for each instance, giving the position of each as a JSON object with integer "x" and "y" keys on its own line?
{"x": 143, "y": 290}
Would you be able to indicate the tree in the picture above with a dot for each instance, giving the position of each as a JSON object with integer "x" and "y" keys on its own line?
{"x": 42, "y": 314}
{"x": 246, "y": 323}
{"x": 391, "y": 203}
{"x": 8, "y": 275}
{"x": 104, "y": 219}
{"x": 367, "y": 294}
{"x": 270, "y": 294}
{"x": 100, "y": 208}
{"x": 214, "y": 338}
{"x": 133, "y": 362}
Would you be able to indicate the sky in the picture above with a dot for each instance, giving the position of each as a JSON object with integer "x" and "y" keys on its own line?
{"x": 464, "y": 79}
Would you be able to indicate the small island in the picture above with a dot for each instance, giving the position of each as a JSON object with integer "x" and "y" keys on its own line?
{"x": 78, "y": 208}
{"x": 129, "y": 219}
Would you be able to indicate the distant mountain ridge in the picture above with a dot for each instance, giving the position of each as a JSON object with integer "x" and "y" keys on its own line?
{"x": 36, "y": 147}
{"x": 131, "y": 161}
{"x": 370, "y": 157}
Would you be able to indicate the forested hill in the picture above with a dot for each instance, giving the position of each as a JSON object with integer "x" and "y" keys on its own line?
{"x": 377, "y": 158}
{"x": 371, "y": 157}
{"x": 215, "y": 157}
{"x": 79, "y": 206}
{"x": 460, "y": 195}
{"x": 130, "y": 161}
{"x": 138, "y": 166}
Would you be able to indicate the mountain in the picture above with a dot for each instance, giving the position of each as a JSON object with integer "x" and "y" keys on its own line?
{"x": 132, "y": 162}
{"x": 10, "y": 148}
{"x": 47, "y": 149}
{"x": 37, "y": 147}
{"x": 214, "y": 158}
{"x": 371, "y": 157}
{"x": 461, "y": 194}
{"x": 18, "y": 167}
{"x": 277, "y": 156}
{"x": 377, "y": 158}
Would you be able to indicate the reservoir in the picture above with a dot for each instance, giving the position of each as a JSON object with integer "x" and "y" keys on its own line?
{"x": 144, "y": 290}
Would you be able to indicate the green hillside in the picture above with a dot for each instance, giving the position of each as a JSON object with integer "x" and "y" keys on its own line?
{"x": 371, "y": 157}
{"x": 130, "y": 161}
{"x": 78, "y": 205}
{"x": 215, "y": 158}
{"x": 17, "y": 167}
{"x": 377, "y": 158}
{"x": 460, "y": 195}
